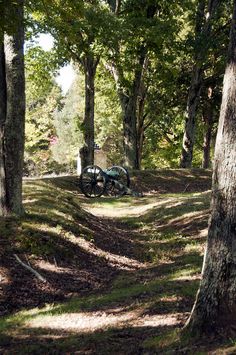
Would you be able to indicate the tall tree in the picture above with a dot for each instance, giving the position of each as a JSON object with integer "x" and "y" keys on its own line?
{"x": 12, "y": 112}
{"x": 204, "y": 17}
{"x": 89, "y": 64}
{"x": 130, "y": 88}
{"x": 79, "y": 28}
{"x": 215, "y": 305}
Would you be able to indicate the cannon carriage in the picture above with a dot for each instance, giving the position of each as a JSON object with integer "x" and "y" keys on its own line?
{"x": 114, "y": 181}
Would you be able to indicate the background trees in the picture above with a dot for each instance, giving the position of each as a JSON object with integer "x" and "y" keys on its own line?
{"x": 206, "y": 36}
{"x": 142, "y": 57}
{"x": 149, "y": 34}
{"x": 43, "y": 99}
{"x": 80, "y": 29}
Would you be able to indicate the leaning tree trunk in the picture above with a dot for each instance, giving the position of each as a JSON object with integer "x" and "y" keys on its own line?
{"x": 196, "y": 80}
{"x": 87, "y": 151}
{"x": 3, "y": 108}
{"x": 208, "y": 121}
{"x": 215, "y": 307}
{"x": 15, "y": 113}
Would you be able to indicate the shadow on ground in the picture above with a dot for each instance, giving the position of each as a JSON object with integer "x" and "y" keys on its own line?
{"x": 129, "y": 280}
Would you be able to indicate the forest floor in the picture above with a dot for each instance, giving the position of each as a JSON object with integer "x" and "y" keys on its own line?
{"x": 121, "y": 274}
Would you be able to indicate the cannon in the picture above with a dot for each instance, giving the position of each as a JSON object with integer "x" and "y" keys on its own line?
{"x": 114, "y": 181}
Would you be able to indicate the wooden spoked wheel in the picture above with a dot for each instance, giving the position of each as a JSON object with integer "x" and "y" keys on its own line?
{"x": 117, "y": 174}
{"x": 92, "y": 181}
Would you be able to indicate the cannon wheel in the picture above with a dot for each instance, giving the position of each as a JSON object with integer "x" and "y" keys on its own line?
{"x": 92, "y": 181}
{"x": 122, "y": 176}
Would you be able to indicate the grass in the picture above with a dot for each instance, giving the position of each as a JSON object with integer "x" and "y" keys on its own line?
{"x": 152, "y": 248}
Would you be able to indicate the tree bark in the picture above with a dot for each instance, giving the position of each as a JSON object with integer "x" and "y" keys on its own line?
{"x": 202, "y": 30}
{"x": 208, "y": 120}
{"x": 87, "y": 151}
{"x": 15, "y": 112}
{"x": 130, "y": 133}
{"x": 215, "y": 306}
{"x": 206, "y": 160}
{"x": 3, "y": 109}
{"x": 129, "y": 105}
{"x": 190, "y": 114}
{"x": 140, "y": 123}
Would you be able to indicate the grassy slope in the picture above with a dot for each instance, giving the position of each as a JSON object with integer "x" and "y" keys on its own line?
{"x": 132, "y": 279}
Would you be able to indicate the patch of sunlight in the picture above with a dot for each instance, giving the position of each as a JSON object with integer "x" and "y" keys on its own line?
{"x": 30, "y": 200}
{"x": 35, "y": 187}
{"x": 194, "y": 248}
{"x": 188, "y": 195}
{"x": 124, "y": 211}
{"x": 175, "y": 237}
{"x": 84, "y": 322}
{"x": 226, "y": 350}
{"x": 114, "y": 260}
{"x": 19, "y": 318}
{"x": 109, "y": 202}
{"x": 53, "y": 267}
{"x": 166, "y": 237}
{"x": 66, "y": 216}
{"x": 43, "y": 227}
{"x": 171, "y": 299}
{"x": 160, "y": 320}
{"x": 188, "y": 215}
{"x": 4, "y": 275}
{"x": 175, "y": 203}
{"x": 190, "y": 273}
{"x": 203, "y": 232}
{"x": 188, "y": 278}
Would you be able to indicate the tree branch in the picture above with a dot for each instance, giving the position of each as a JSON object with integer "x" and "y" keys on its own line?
{"x": 40, "y": 277}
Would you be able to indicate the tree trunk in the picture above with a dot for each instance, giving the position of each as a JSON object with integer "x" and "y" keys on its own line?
{"x": 15, "y": 113}
{"x": 129, "y": 96}
{"x": 129, "y": 105}
{"x": 206, "y": 159}
{"x": 140, "y": 140}
{"x": 208, "y": 120}
{"x": 203, "y": 30}
{"x": 215, "y": 306}
{"x": 3, "y": 108}
{"x": 129, "y": 131}
{"x": 140, "y": 124}
{"x": 87, "y": 151}
{"x": 189, "y": 131}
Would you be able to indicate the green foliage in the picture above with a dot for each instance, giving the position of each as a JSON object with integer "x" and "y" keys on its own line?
{"x": 67, "y": 124}
{"x": 108, "y": 120}
{"x": 80, "y": 28}
{"x": 85, "y": 28}
{"x": 41, "y": 66}
{"x": 43, "y": 97}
